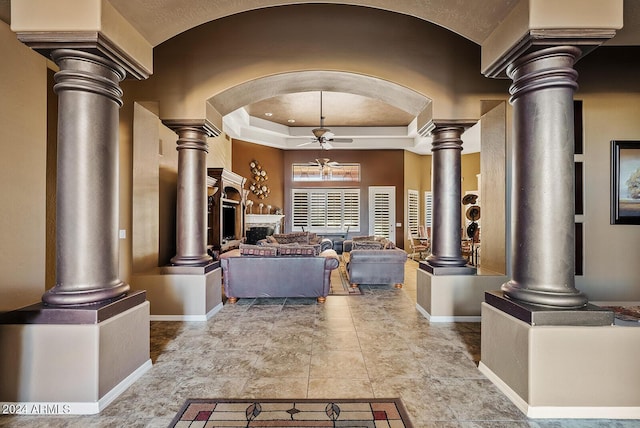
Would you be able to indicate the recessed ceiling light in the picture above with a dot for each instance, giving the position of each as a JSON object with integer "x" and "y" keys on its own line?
{"x": 268, "y": 114}
{"x": 291, "y": 121}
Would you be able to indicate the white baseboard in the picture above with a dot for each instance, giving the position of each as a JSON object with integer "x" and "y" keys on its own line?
{"x": 558, "y": 412}
{"x": 77, "y": 408}
{"x": 447, "y": 318}
{"x": 123, "y": 385}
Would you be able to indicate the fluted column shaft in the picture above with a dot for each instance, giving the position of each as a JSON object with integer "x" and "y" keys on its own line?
{"x": 446, "y": 208}
{"x": 191, "y": 209}
{"x": 543, "y": 230}
{"x": 87, "y": 217}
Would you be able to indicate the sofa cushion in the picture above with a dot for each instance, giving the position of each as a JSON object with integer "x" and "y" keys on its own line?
{"x": 296, "y": 249}
{"x": 367, "y": 245}
{"x": 258, "y": 250}
{"x": 363, "y": 238}
{"x": 289, "y": 238}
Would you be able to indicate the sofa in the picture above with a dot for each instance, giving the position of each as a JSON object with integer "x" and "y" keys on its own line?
{"x": 301, "y": 238}
{"x": 286, "y": 270}
{"x": 374, "y": 260}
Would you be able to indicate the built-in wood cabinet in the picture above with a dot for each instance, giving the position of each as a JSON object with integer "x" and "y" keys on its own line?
{"x": 226, "y": 210}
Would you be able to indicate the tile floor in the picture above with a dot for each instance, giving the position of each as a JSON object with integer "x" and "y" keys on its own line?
{"x": 374, "y": 345}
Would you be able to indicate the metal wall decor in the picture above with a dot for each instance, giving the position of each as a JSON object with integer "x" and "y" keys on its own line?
{"x": 259, "y": 177}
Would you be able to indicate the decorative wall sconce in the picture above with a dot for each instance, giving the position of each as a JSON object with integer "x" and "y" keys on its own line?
{"x": 259, "y": 177}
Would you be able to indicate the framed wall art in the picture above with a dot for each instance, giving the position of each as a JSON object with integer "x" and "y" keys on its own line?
{"x": 625, "y": 182}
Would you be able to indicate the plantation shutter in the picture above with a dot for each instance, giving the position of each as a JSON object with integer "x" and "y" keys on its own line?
{"x": 382, "y": 211}
{"x": 428, "y": 206}
{"x": 326, "y": 210}
{"x": 351, "y": 212}
{"x": 317, "y": 210}
{"x": 413, "y": 205}
{"x": 300, "y": 211}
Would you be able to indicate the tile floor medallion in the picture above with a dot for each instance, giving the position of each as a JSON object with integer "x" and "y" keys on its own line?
{"x": 220, "y": 413}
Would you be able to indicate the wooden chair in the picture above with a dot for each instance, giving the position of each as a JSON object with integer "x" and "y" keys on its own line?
{"x": 419, "y": 248}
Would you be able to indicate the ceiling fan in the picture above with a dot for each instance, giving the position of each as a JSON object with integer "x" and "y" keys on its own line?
{"x": 323, "y": 135}
{"x": 325, "y": 162}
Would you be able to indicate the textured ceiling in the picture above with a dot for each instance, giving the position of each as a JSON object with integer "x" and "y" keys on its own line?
{"x": 339, "y": 109}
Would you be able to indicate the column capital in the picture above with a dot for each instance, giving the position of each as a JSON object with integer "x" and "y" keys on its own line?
{"x": 447, "y": 134}
{"x": 96, "y": 27}
{"x": 585, "y": 40}
{"x": 203, "y": 125}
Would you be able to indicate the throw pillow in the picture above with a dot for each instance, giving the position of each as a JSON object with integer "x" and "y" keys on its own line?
{"x": 367, "y": 245}
{"x": 288, "y": 238}
{"x": 298, "y": 250}
{"x": 363, "y": 238}
{"x": 258, "y": 250}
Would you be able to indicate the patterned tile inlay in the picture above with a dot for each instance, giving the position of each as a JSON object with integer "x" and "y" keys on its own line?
{"x": 287, "y": 413}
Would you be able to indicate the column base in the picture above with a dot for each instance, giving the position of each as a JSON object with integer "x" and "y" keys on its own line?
{"x": 453, "y": 298}
{"x": 182, "y": 293}
{"x": 40, "y": 375}
{"x": 58, "y": 297}
{"x": 447, "y": 270}
{"x": 562, "y": 371}
{"x": 589, "y": 315}
{"x": 201, "y": 260}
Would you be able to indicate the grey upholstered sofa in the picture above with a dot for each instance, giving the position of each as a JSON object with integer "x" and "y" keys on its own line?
{"x": 371, "y": 263}
{"x": 263, "y": 273}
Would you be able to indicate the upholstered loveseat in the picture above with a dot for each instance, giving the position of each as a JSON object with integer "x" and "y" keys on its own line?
{"x": 286, "y": 270}
{"x": 374, "y": 260}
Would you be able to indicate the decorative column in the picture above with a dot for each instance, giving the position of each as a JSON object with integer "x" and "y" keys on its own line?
{"x": 87, "y": 247}
{"x": 543, "y": 230}
{"x": 191, "y": 203}
{"x": 446, "y": 208}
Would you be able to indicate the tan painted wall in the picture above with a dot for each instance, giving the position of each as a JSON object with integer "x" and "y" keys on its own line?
{"x": 23, "y": 133}
{"x": 493, "y": 189}
{"x": 235, "y": 50}
{"x": 417, "y": 176}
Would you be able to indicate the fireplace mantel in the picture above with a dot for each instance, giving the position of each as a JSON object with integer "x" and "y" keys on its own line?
{"x": 257, "y": 220}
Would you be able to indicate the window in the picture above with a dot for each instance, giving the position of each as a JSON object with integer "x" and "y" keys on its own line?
{"x": 413, "y": 206}
{"x": 316, "y": 172}
{"x": 428, "y": 205}
{"x": 326, "y": 210}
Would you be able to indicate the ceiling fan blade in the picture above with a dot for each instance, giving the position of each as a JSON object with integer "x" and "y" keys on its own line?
{"x": 324, "y": 144}
{"x": 334, "y": 164}
{"x": 328, "y": 135}
{"x": 341, "y": 140}
{"x": 307, "y": 143}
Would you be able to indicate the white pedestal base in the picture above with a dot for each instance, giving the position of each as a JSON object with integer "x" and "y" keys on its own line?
{"x": 562, "y": 371}
{"x": 453, "y": 298}
{"x": 72, "y": 368}
{"x": 181, "y": 294}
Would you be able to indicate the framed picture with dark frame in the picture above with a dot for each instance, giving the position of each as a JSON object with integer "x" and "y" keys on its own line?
{"x": 625, "y": 182}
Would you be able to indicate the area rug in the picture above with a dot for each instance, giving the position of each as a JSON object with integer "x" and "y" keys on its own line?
{"x": 312, "y": 413}
{"x": 625, "y": 313}
{"x": 340, "y": 285}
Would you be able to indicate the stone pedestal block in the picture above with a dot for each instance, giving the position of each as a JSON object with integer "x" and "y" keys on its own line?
{"x": 453, "y": 298}
{"x": 182, "y": 293}
{"x": 72, "y": 368}
{"x": 562, "y": 371}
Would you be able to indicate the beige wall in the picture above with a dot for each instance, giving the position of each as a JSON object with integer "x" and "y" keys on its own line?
{"x": 611, "y": 268}
{"x": 23, "y": 132}
{"x": 493, "y": 231}
{"x": 417, "y": 176}
{"x": 234, "y": 50}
